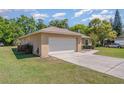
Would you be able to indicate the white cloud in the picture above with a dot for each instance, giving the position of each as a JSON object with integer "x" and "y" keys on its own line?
{"x": 4, "y": 10}
{"x": 111, "y": 12}
{"x": 24, "y": 10}
{"x": 104, "y": 12}
{"x": 57, "y": 15}
{"x": 39, "y": 16}
{"x": 29, "y": 10}
{"x": 90, "y": 11}
{"x": 102, "y": 17}
{"x": 18, "y": 10}
{"x": 85, "y": 19}
{"x": 81, "y": 12}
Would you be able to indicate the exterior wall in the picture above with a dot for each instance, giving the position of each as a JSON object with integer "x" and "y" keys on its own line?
{"x": 44, "y": 46}
{"x": 25, "y": 40}
{"x": 34, "y": 40}
{"x": 78, "y": 44}
{"x": 41, "y": 41}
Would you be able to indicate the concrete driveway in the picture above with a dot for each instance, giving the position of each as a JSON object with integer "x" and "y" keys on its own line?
{"x": 104, "y": 64}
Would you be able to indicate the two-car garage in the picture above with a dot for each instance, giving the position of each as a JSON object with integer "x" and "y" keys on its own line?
{"x": 52, "y": 39}
{"x": 61, "y": 44}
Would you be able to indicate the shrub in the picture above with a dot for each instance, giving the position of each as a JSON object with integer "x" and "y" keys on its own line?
{"x": 27, "y": 48}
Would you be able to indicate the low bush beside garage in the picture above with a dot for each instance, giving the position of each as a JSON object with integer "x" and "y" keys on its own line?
{"x": 27, "y": 48}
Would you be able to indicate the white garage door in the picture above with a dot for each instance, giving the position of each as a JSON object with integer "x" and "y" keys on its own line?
{"x": 59, "y": 44}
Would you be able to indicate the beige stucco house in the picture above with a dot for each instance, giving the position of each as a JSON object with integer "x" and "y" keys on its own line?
{"x": 52, "y": 39}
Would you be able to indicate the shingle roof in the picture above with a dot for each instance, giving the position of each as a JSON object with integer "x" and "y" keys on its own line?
{"x": 56, "y": 30}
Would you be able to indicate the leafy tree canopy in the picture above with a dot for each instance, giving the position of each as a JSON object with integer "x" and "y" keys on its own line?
{"x": 59, "y": 23}
{"x": 102, "y": 29}
{"x": 80, "y": 28}
{"x": 11, "y": 29}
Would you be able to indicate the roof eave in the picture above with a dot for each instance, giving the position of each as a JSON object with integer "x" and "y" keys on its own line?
{"x": 48, "y": 33}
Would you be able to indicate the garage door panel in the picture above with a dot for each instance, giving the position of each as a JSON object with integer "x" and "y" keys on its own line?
{"x": 61, "y": 44}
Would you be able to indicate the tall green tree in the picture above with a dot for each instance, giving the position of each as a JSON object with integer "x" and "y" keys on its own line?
{"x": 101, "y": 28}
{"x": 83, "y": 29}
{"x": 59, "y": 23}
{"x": 11, "y": 29}
{"x": 106, "y": 28}
{"x": 26, "y": 24}
{"x": 94, "y": 39}
{"x": 40, "y": 24}
{"x": 117, "y": 25}
{"x": 64, "y": 23}
{"x": 8, "y": 32}
{"x": 1, "y": 28}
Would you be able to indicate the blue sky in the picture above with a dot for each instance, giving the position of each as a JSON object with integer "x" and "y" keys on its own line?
{"x": 75, "y": 16}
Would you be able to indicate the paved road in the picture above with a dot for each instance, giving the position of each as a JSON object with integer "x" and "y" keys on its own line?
{"x": 108, "y": 65}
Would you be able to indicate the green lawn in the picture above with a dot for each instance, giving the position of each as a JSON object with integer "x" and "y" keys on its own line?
{"x": 113, "y": 52}
{"x": 20, "y": 68}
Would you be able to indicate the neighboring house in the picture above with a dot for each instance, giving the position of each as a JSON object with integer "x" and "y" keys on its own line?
{"x": 53, "y": 39}
{"x": 120, "y": 40}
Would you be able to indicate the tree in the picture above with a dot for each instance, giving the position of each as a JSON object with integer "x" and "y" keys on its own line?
{"x": 95, "y": 26}
{"x": 40, "y": 24}
{"x": 94, "y": 39}
{"x": 26, "y": 24}
{"x": 83, "y": 29}
{"x": 106, "y": 28}
{"x": 101, "y": 28}
{"x": 11, "y": 29}
{"x": 64, "y": 23}
{"x": 1, "y": 28}
{"x": 112, "y": 35}
{"x": 31, "y": 25}
{"x": 59, "y": 23}
{"x": 54, "y": 23}
{"x": 8, "y": 33}
{"x": 117, "y": 25}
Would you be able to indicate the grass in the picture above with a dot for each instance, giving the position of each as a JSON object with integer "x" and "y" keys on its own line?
{"x": 112, "y": 52}
{"x": 23, "y": 68}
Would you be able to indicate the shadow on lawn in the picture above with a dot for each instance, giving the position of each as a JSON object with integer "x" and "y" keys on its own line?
{"x": 22, "y": 55}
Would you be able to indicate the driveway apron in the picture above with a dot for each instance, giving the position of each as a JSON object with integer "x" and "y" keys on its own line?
{"x": 104, "y": 64}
